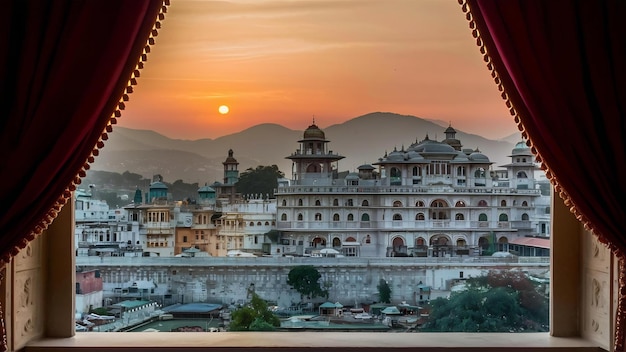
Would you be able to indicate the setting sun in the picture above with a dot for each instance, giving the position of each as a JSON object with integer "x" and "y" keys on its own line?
{"x": 223, "y": 109}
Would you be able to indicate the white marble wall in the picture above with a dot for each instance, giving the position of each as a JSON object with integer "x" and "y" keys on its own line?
{"x": 598, "y": 281}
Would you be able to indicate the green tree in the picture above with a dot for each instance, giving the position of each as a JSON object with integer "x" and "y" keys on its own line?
{"x": 384, "y": 291}
{"x": 254, "y": 317}
{"x": 498, "y": 302}
{"x": 183, "y": 191}
{"x": 305, "y": 280}
{"x": 262, "y": 180}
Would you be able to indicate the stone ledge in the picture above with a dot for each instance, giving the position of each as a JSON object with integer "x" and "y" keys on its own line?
{"x": 311, "y": 342}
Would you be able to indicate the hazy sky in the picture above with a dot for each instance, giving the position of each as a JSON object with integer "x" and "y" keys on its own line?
{"x": 288, "y": 61}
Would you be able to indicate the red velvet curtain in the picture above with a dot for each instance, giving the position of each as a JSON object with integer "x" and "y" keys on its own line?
{"x": 66, "y": 67}
{"x": 561, "y": 65}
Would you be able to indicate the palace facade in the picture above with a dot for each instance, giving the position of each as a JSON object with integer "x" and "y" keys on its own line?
{"x": 434, "y": 198}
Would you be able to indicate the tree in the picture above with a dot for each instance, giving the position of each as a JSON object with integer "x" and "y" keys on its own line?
{"x": 262, "y": 180}
{"x": 305, "y": 279}
{"x": 384, "y": 291}
{"x": 254, "y": 317}
{"x": 498, "y": 302}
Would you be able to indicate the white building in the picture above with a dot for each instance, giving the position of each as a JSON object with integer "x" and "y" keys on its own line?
{"x": 431, "y": 199}
{"x": 244, "y": 225}
{"x": 101, "y": 231}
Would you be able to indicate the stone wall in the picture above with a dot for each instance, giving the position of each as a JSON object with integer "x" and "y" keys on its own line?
{"x": 350, "y": 281}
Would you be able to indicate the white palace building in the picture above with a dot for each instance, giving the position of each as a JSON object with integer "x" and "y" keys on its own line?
{"x": 432, "y": 199}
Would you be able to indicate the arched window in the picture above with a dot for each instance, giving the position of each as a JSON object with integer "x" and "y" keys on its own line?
{"x": 419, "y": 217}
{"x": 284, "y": 202}
{"x": 335, "y": 202}
{"x": 416, "y": 171}
{"x": 336, "y": 242}
{"x": 525, "y": 217}
{"x": 365, "y": 203}
{"x": 397, "y": 217}
{"x": 503, "y": 203}
{"x": 365, "y": 217}
{"x": 461, "y": 242}
{"x": 419, "y": 203}
{"x": 459, "y": 216}
{"x": 438, "y": 204}
{"x": 396, "y": 176}
{"x": 251, "y": 223}
{"x": 460, "y": 171}
{"x": 258, "y": 223}
{"x": 482, "y": 217}
{"x": 397, "y": 204}
{"x": 267, "y": 223}
{"x": 483, "y": 243}
{"x": 419, "y": 241}
{"x": 482, "y": 203}
{"x": 300, "y": 217}
{"x": 524, "y": 203}
{"x": 318, "y": 216}
{"x": 439, "y": 241}
{"x": 350, "y": 217}
{"x": 368, "y": 239}
{"x": 336, "y": 217}
{"x": 398, "y": 243}
{"x": 318, "y": 203}
{"x": 503, "y": 217}
{"x": 283, "y": 217}
{"x": 460, "y": 204}
{"x": 522, "y": 174}
{"x": 300, "y": 202}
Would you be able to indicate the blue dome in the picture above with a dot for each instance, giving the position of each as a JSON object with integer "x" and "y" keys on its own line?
{"x": 206, "y": 189}
{"x": 158, "y": 185}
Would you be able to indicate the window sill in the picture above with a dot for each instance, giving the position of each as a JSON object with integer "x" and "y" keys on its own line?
{"x": 310, "y": 341}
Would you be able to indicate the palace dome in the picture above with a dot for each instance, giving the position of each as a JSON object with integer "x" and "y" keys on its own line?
{"x": 478, "y": 156}
{"x": 520, "y": 148}
{"x": 395, "y": 156}
{"x": 437, "y": 147}
{"x": 314, "y": 132}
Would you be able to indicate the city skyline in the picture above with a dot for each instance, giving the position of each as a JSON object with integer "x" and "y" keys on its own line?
{"x": 289, "y": 62}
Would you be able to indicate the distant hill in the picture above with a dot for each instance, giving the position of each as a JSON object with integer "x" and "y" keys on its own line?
{"x": 362, "y": 140}
{"x": 512, "y": 138}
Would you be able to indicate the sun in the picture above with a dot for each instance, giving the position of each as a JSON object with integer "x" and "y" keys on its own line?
{"x": 223, "y": 109}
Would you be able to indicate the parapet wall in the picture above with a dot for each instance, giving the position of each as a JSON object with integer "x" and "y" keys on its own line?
{"x": 350, "y": 281}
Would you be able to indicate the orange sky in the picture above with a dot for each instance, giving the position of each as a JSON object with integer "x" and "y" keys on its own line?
{"x": 287, "y": 61}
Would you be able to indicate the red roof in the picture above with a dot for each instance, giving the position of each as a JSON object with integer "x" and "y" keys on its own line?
{"x": 532, "y": 242}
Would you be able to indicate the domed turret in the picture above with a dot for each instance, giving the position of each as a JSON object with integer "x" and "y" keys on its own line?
{"x": 158, "y": 190}
{"x": 451, "y": 138}
{"x": 478, "y": 157}
{"x": 314, "y": 132}
{"x": 313, "y": 161}
{"x": 520, "y": 149}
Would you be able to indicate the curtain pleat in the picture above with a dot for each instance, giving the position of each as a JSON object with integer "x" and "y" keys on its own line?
{"x": 64, "y": 65}
{"x": 560, "y": 66}
{"x": 65, "y": 69}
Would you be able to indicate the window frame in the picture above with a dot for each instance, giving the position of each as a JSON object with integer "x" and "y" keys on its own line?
{"x": 58, "y": 321}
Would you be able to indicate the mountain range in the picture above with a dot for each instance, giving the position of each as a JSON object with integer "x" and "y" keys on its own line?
{"x": 362, "y": 140}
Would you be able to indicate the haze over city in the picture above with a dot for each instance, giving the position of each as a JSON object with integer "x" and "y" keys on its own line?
{"x": 289, "y": 62}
